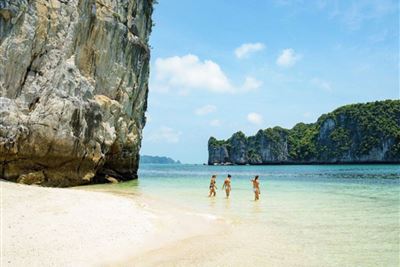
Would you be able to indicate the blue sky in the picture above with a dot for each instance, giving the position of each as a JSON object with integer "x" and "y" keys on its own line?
{"x": 220, "y": 66}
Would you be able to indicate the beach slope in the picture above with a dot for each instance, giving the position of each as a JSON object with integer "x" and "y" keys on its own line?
{"x": 70, "y": 227}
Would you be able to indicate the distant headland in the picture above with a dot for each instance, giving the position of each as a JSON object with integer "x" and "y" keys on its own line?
{"x": 145, "y": 159}
{"x": 357, "y": 133}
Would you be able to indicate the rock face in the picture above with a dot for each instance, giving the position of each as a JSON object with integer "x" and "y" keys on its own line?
{"x": 74, "y": 84}
{"x": 360, "y": 133}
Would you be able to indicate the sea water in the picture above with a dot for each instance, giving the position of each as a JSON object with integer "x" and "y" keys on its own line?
{"x": 309, "y": 215}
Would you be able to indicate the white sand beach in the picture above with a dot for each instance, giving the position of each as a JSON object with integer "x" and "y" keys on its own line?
{"x": 166, "y": 219}
{"x": 70, "y": 227}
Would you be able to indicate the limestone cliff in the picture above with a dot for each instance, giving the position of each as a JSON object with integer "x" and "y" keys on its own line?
{"x": 360, "y": 133}
{"x": 74, "y": 84}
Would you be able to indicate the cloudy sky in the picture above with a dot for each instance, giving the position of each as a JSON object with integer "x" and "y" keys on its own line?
{"x": 221, "y": 66}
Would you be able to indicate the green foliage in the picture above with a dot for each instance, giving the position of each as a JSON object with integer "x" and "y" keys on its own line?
{"x": 356, "y": 130}
{"x": 145, "y": 159}
{"x": 213, "y": 142}
{"x": 394, "y": 153}
{"x": 274, "y": 134}
{"x": 341, "y": 142}
{"x": 302, "y": 141}
{"x": 238, "y": 135}
{"x": 369, "y": 123}
{"x": 253, "y": 156}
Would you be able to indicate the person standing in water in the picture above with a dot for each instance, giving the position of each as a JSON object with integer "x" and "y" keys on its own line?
{"x": 256, "y": 188}
{"x": 227, "y": 185}
{"x": 213, "y": 186}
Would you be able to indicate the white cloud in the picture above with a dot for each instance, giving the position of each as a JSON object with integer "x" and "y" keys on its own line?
{"x": 255, "y": 118}
{"x": 189, "y": 72}
{"x": 215, "y": 123}
{"x": 288, "y": 58}
{"x": 165, "y": 134}
{"x": 204, "y": 110}
{"x": 245, "y": 50}
{"x": 321, "y": 84}
{"x": 251, "y": 83}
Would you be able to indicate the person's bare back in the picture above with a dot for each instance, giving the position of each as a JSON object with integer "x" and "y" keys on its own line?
{"x": 227, "y": 185}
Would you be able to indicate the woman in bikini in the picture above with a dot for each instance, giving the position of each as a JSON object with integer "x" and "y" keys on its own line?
{"x": 256, "y": 188}
{"x": 213, "y": 186}
{"x": 227, "y": 185}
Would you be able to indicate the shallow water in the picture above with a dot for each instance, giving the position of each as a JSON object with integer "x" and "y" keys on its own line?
{"x": 325, "y": 215}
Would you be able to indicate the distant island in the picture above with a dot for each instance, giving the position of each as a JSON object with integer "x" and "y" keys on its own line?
{"x": 357, "y": 133}
{"x": 145, "y": 159}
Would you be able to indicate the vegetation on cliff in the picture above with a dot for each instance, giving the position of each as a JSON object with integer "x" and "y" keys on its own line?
{"x": 367, "y": 132}
{"x": 145, "y": 159}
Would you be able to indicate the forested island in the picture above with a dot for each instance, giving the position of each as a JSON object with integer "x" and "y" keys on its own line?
{"x": 357, "y": 133}
{"x": 145, "y": 159}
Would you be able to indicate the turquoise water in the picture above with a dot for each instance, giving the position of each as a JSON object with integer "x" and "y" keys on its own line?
{"x": 325, "y": 215}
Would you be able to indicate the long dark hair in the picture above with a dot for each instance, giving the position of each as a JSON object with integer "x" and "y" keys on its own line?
{"x": 256, "y": 178}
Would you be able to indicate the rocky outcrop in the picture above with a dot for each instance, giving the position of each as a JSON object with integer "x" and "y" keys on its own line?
{"x": 74, "y": 84}
{"x": 360, "y": 133}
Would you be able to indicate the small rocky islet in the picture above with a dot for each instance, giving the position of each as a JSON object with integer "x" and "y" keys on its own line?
{"x": 357, "y": 133}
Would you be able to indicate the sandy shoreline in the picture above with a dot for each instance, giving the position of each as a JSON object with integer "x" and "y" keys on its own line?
{"x": 69, "y": 227}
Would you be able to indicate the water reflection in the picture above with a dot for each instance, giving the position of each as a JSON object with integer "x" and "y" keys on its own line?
{"x": 256, "y": 208}
{"x": 227, "y": 203}
{"x": 212, "y": 202}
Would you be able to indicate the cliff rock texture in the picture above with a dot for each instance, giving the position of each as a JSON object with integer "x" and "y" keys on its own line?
{"x": 74, "y": 84}
{"x": 359, "y": 133}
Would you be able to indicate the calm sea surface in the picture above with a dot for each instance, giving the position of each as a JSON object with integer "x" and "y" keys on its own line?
{"x": 325, "y": 215}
